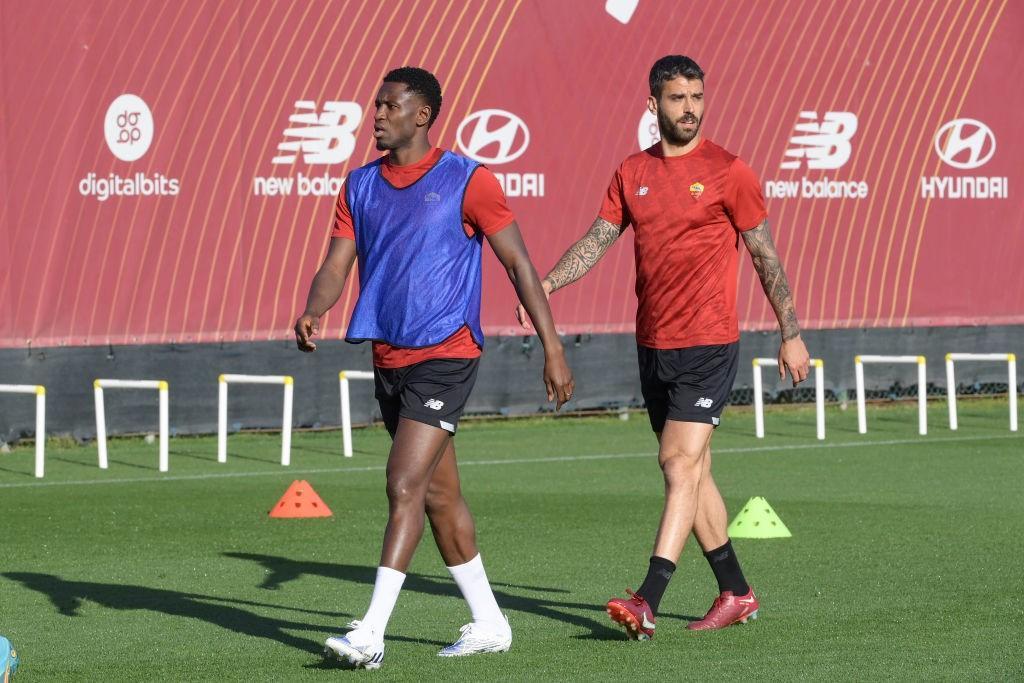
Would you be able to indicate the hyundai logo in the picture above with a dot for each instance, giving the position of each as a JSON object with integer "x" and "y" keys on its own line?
{"x": 493, "y": 136}
{"x": 965, "y": 143}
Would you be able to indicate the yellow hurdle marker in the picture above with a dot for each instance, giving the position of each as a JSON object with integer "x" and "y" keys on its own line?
{"x": 346, "y": 414}
{"x": 819, "y": 394}
{"x": 101, "y": 418}
{"x": 40, "y": 392}
{"x": 222, "y": 411}
{"x": 922, "y": 388}
{"x": 1011, "y": 367}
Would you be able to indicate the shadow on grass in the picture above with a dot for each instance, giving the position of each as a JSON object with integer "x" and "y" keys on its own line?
{"x": 281, "y": 570}
{"x": 25, "y": 474}
{"x": 67, "y": 598}
{"x": 92, "y": 463}
{"x": 324, "y": 450}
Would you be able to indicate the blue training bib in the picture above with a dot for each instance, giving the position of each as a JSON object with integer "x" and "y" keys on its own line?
{"x": 419, "y": 273}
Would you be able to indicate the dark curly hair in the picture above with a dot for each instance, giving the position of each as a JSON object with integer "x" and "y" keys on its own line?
{"x": 421, "y": 82}
{"x": 670, "y": 67}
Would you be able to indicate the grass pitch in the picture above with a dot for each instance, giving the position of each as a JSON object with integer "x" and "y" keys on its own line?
{"x": 905, "y": 560}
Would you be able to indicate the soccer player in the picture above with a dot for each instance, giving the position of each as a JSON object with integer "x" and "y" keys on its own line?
{"x": 416, "y": 219}
{"x": 689, "y": 201}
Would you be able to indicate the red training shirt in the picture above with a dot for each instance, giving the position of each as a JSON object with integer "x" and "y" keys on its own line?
{"x": 484, "y": 210}
{"x": 687, "y": 212}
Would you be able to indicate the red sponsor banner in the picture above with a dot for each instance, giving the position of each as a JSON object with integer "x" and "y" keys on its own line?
{"x": 169, "y": 169}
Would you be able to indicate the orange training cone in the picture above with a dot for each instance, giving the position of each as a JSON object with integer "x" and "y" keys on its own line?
{"x": 300, "y": 500}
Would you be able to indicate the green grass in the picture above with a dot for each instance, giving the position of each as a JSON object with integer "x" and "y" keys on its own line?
{"x": 905, "y": 560}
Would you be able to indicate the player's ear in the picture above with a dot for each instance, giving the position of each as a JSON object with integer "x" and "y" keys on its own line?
{"x": 652, "y": 105}
{"x": 423, "y": 115}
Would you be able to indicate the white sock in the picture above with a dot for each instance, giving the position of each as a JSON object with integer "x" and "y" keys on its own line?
{"x": 385, "y": 594}
{"x": 472, "y": 581}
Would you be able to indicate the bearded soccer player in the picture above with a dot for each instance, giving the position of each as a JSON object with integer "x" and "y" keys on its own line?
{"x": 689, "y": 201}
{"x": 416, "y": 219}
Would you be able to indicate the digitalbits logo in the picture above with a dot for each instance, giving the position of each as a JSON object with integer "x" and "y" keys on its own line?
{"x": 647, "y": 133}
{"x": 128, "y": 127}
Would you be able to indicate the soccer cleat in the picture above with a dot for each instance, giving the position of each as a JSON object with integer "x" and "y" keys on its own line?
{"x": 479, "y": 638}
{"x": 360, "y": 647}
{"x": 8, "y": 660}
{"x": 728, "y": 609}
{"x": 635, "y": 614}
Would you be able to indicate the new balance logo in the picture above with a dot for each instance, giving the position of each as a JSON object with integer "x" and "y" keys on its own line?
{"x": 646, "y": 623}
{"x": 823, "y": 145}
{"x": 434, "y": 404}
{"x": 641, "y": 191}
{"x": 703, "y": 403}
{"x": 326, "y": 137}
{"x": 432, "y": 198}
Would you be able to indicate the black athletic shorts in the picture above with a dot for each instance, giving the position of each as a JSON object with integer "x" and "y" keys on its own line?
{"x": 433, "y": 392}
{"x": 688, "y": 385}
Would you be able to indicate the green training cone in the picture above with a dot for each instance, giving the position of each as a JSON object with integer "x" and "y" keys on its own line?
{"x": 758, "y": 520}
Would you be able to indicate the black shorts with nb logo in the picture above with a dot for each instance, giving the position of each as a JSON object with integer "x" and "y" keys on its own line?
{"x": 433, "y": 392}
{"x": 687, "y": 385}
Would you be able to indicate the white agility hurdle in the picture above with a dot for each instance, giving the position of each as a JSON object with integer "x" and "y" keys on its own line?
{"x": 1011, "y": 366}
{"x": 922, "y": 388}
{"x": 346, "y": 414}
{"x": 101, "y": 416}
{"x": 819, "y": 394}
{"x": 40, "y": 392}
{"x": 222, "y": 411}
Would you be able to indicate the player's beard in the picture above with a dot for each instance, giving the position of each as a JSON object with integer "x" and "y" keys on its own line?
{"x": 673, "y": 135}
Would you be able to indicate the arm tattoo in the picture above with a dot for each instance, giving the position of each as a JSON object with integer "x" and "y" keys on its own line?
{"x": 773, "y": 278}
{"x": 581, "y": 257}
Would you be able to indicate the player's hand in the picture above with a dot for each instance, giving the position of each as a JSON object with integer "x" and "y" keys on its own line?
{"x": 794, "y": 357}
{"x": 558, "y": 378}
{"x": 305, "y": 327}
{"x": 523, "y": 317}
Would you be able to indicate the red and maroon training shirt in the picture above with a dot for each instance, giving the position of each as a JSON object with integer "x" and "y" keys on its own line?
{"x": 687, "y": 213}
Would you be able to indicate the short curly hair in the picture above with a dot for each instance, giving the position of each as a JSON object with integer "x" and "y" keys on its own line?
{"x": 421, "y": 82}
{"x": 671, "y": 67}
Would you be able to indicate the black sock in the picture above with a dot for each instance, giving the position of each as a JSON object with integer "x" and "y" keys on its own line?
{"x": 658, "y": 575}
{"x": 727, "y": 570}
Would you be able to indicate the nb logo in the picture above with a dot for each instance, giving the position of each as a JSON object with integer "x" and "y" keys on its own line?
{"x": 965, "y": 143}
{"x": 432, "y": 198}
{"x": 703, "y": 403}
{"x": 641, "y": 191}
{"x": 326, "y": 137}
{"x": 493, "y": 136}
{"x": 434, "y": 404}
{"x": 823, "y": 145}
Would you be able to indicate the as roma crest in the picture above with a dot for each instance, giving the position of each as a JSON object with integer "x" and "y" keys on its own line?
{"x": 696, "y": 190}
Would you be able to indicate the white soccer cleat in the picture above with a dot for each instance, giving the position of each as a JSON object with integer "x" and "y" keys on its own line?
{"x": 479, "y": 638}
{"x": 360, "y": 647}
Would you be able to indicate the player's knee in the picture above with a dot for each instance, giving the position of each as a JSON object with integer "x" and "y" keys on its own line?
{"x": 403, "y": 490}
{"x": 681, "y": 467}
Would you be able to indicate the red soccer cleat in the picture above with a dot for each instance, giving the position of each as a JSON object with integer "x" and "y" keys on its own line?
{"x": 635, "y": 614}
{"x": 727, "y": 610}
